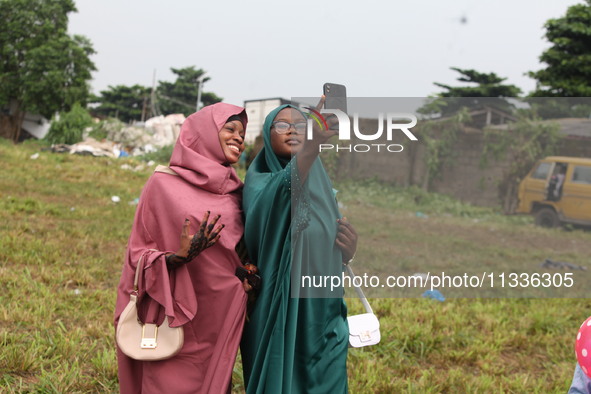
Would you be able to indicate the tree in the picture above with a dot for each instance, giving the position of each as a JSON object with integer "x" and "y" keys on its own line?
{"x": 69, "y": 127}
{"x": 560, "y": 107}
{"x": 568, "y": 60}
{"x": 42, "y": 68}
{"x": 520, "y": 145}
{"x": 487, "y": 85}
{"x": 126, "y": 103}
{"x": 181, "y": 96}
{"x": 486, "y": 89}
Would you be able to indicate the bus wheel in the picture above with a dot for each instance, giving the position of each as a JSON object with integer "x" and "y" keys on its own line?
{"x": 546, "y": 217}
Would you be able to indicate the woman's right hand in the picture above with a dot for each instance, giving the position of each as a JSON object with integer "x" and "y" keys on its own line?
{"x": 311, "y": 148}
{"x": 192, "y": 245}
{"x": 321, "y": 133}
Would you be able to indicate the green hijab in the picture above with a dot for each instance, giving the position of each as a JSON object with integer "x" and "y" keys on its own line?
{"x": 292, "y": 344}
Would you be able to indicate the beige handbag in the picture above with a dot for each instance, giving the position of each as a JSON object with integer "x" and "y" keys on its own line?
{"x": 148, "y": 342}
{"x": 364, "y": 329}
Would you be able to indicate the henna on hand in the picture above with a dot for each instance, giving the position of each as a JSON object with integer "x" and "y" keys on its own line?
{"x": 173, "y": 261}
{"x": 190, "y": 248}
{"x": 205, "y": 237}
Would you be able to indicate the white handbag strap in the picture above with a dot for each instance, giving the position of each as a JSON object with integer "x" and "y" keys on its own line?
{"x": 165, "y": 169}
{"x": 359, "y": 291}
{"x": 138, "y": 269}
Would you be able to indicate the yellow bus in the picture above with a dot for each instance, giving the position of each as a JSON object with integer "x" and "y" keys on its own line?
{"x": 557, "y": 190}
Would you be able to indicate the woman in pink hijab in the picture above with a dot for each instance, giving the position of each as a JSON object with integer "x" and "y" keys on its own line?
{"x": 190, "y": 279}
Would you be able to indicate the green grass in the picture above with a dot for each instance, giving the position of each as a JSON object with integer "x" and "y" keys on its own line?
{"x": 62, "y": 242}
{"x": 407, "y": 231}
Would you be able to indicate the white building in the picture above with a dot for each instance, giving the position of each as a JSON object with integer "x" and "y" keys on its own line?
{"x": 257, "y": 111}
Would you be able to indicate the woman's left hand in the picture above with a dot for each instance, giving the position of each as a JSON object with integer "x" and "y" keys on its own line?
{"x": 247, "y": 287}
{"x": 346, "y": 239}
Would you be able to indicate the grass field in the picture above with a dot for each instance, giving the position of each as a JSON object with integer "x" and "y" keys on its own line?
{"x": 62, "y": 241}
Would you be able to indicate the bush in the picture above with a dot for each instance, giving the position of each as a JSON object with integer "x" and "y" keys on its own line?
{"x": 161, "y": 156}
{"x": 69, "y": 127}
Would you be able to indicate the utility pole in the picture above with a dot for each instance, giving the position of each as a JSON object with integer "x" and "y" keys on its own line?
{"x": 199, "y": 89}
{"x": 153, "y": 107}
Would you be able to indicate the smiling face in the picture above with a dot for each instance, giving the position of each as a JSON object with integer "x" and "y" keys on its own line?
{"x": 290, "y": 143}
{"x": 232, "y": 140}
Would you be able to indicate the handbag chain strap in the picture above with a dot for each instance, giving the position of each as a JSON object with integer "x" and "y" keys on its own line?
{"x": 359, "y": 291}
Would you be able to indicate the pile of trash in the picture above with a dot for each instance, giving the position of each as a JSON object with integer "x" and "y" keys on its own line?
{"x": 137, "y": 139}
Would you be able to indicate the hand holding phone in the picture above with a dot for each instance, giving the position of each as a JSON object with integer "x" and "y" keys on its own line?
{"x": 249, "y": 272}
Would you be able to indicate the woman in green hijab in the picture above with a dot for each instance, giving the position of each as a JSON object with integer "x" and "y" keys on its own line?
{"x": 293, "y": 343}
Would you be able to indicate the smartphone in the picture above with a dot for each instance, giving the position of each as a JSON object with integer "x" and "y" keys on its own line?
{"x": 253, "y": 279}
{"x": 336, "y": 96}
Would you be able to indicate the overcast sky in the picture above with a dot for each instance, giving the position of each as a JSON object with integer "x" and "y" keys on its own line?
{"x": 260, "y": 49}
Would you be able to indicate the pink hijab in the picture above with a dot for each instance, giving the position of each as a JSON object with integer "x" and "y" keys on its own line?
{"x": 204, "y": 296}
{"x": 198, "y": 156}
{"x": 205, "y": 182}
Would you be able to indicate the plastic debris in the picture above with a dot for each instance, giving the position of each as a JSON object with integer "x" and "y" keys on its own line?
{"x": 421, "y": 275}
{"x": 135, "y": 201}
{"x": 93, "y": 147}
{"x": 35, "y": 156}
{"x": 421, "y": 215}
{"x": 561, "y": 265}
{"x": 434, "y": 295}
{"x": 60, "y": 148}
{"x": 124, "y": 141}
{"x": 115, "y": 199}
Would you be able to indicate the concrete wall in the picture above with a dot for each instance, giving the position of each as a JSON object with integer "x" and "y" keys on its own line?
{"x": 461, "y": 176}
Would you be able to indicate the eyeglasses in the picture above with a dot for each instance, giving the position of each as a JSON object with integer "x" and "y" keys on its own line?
{"x": 283, "y": 127}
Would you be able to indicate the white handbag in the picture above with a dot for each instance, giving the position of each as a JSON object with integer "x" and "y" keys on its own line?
{"x": 364, "y": 329}
{"x": 147, "y": 342}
